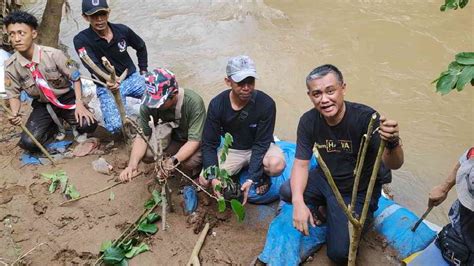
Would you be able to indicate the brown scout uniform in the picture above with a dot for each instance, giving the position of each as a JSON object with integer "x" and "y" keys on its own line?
{"x": 53, "y": 65}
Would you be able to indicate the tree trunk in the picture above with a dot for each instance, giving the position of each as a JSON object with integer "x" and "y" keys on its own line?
{"x": 49, "y": 28}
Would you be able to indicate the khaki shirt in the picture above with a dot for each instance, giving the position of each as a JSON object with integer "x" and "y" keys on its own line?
{"x": 53, "y": 65}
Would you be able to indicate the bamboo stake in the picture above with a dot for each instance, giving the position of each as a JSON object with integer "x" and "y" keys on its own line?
{"x": 23, "y": 127}
{"x": 361, "y": 160}
{"x": 91, "y": 194}
{"x": 194, "y": 260}
{"x": 116, "y": 93}
{"x": 164, "y": 204}
{"x": 355, "y": 238}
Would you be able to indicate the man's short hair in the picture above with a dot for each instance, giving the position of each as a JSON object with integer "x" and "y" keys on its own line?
{"x": 322, "y": 71}
{"x": 18, "y": 16}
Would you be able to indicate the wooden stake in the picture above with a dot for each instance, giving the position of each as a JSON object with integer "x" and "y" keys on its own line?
{"x": 360, "y": 161}
{"x": 23, "y": 127}
{"x": 91, "y": 194}
{"x": 194, "y": 260}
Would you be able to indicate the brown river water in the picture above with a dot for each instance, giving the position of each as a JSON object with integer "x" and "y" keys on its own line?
{"x": 389, "y": 52}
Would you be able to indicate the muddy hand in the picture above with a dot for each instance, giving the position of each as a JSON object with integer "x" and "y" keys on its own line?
{"x": 246, "y": 188}
{"x": 82, "y": 113}
{"x": 128, "y": 173}
{"x": 389, "y": 130}
{"x": 113, "y": 86}
{"x": 437, "y": 195}
{"x": 214, "y": 183}
{"x": 15, "y": 120}
{"x": 301, "y": 216}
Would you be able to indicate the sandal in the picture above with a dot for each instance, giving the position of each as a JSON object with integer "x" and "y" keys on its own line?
{"x": 264, "y": 182}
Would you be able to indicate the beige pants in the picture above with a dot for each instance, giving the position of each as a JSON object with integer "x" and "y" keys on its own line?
{"x": 238, "y": 159}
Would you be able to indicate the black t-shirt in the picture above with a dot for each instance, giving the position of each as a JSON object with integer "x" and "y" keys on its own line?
{"x": 339, "y": 144}
{"x": 115, "y": 51}
{"x": 251, "y": 128}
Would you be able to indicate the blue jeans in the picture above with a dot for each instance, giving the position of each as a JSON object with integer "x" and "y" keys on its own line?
{"x": 319, "y": 193}
{"x": 133, "y": 86}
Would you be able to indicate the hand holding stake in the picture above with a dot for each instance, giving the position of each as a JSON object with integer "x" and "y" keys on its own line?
{"x": 38, "y": 144}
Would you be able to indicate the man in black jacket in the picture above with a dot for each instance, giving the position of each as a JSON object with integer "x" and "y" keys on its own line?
{"x": 109, "y": 40}
{"x": 249, "y": 116}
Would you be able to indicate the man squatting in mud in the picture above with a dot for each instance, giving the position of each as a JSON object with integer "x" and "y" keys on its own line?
{"x": 44, "y": 74}
{"x": 182, "y": 113}
{"x": 337, "y": 127}
{"x": 110, "y": 40}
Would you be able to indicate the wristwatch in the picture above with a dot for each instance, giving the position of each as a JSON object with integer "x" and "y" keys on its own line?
{"x": 174, "y": 160}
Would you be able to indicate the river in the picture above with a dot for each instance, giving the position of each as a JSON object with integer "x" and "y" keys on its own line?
{"x": 389, "y": 52}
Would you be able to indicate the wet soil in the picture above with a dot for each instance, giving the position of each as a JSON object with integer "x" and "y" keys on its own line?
{"x": 31, "y": 218}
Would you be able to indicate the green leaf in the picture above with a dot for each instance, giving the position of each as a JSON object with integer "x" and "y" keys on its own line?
{"x": 62, "y": 177}
{"x": 228, "y": 139}
{"x": 124, "y": 262}
{"x": 147, "y": 228}
{"x": 238, "y": 209}
{"x": 127, "y": 246}
{"x": 105, "y": 245}
{"x": 137, "y": 250}
{"x": 113, "y": 255}
{"x": 465, "y": 58}
{"x": 156, "y": 196}
{"x": 221, "y": 204}
{"x": 149, "y": 204}
{"x": 454, "y": 68}
{"x": 218, "y": 188}
{"x": 463, "y": 3}
{"x": 152, "y": 217}
{"x": 466, "y": 75}
{"x": 53, "y": 186}
{"x": 112, "y": 196}
{"x": 446, "y": 83}
{"x": 72, "y": 192}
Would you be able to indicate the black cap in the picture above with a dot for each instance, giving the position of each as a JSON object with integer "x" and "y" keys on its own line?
{"x": 90, "y": 7}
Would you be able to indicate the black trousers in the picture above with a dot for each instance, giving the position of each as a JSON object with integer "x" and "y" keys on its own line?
{"x": 41, "y": 124}
{"x": 319, "y": 193}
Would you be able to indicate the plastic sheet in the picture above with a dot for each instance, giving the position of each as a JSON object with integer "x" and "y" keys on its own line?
{"x": 190, "y": 199}
{"x": 287, "y": 246}
{"x": 395, "y": 222}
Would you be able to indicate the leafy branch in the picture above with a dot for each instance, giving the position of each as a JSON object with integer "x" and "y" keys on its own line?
{"x": 125, "y": 246}
{"x": 226, "y": 182}
{"x": 60, "y": 178}
{"x": 453, "y": 4}
{"x": 461, "y": 71}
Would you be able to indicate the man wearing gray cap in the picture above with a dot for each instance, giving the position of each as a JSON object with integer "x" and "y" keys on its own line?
{"x": 456, "y": 240}
{"x": 249, "y": 116}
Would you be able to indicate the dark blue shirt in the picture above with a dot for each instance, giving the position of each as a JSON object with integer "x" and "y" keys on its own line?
{"x": 251, "y": 128}
{"x": 115, "y": 51}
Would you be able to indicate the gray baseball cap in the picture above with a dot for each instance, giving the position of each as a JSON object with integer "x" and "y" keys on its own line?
{"x": 241, "y": 67}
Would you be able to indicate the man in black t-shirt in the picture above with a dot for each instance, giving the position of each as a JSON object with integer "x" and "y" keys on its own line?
{"x": 336, "y": 128}
{"x": 249, "y": 116}
{"x": 110, "y": 40}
